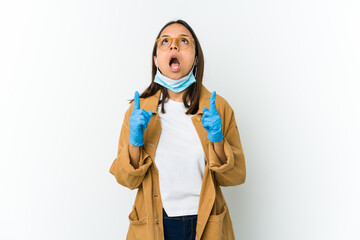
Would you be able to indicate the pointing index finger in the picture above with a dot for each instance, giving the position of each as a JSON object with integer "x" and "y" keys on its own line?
{"x": 212, "y": 101}
{"x": 136, "y": 100}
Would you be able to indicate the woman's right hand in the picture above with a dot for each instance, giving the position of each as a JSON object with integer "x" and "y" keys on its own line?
{"x": 139, "y": 120}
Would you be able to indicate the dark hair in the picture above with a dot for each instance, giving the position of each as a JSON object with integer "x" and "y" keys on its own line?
{"x": 193, "y": 91}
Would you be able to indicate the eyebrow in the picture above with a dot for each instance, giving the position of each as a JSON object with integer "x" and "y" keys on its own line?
{"x": 182, "y": 34}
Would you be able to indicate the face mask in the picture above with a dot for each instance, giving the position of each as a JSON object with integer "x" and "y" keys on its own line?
{"x": 175, "y": 85}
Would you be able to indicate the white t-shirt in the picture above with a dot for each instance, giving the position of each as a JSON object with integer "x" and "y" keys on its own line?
{"x": 180, "y": 159}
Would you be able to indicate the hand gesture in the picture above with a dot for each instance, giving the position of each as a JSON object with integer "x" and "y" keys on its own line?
{"x": 211, "y": 121}
{"x": 139, "y": 120}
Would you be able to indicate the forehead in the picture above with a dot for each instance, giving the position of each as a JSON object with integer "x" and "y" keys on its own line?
{"x": 175, "y": 30}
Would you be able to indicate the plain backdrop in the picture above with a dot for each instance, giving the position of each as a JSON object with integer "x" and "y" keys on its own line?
{"x": 290, "y": 70}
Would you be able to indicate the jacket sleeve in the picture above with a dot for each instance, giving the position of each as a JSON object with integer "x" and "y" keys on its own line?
{"x": 121, "y": 168}
{"x": 233, "y": 172}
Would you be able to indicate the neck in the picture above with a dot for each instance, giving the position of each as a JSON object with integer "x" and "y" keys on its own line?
{"x": 177, "y": 96}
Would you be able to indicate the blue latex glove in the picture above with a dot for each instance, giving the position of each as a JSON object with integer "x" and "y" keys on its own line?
{"x": 211, "y": 121}
{"x": 139, "y": 120}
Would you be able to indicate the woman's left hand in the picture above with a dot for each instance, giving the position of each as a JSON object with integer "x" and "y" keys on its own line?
{"x": 211, "y": 121}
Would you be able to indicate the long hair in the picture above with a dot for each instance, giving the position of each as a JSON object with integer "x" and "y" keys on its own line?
{"x": 193, "y": 91}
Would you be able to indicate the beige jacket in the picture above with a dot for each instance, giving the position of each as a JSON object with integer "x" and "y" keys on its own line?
{"x": 145, "y": 218}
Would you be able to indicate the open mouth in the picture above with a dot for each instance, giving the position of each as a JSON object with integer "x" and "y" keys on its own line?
{"x": 174, "y": 64}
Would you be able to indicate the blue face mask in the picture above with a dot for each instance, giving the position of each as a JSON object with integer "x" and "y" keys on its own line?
{"x": 175, "y": 85}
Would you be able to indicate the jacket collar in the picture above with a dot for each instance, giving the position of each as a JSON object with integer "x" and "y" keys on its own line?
{"x": 151, "y": 103}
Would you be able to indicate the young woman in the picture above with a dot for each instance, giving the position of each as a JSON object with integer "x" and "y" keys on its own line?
{"x": 178, "y": 144}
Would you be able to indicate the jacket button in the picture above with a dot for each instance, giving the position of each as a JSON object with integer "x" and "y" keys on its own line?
{"x": 157, "y": 222}
{"x": 156, "y": 195}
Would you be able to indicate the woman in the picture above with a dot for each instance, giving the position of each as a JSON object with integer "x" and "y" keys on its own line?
{"x": 186, "y": 153}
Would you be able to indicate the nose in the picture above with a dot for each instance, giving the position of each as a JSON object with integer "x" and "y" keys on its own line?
{"x": 173, "y": 45}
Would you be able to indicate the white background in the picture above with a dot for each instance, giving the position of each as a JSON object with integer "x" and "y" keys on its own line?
{"x": 290, "y": 70}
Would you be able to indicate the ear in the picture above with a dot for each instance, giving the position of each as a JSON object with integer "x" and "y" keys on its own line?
{"x": 155, "y": 60}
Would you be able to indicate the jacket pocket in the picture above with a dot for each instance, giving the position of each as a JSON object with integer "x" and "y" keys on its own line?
{"x": 139, "y": 227}
{"x": 213, "y": 229}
